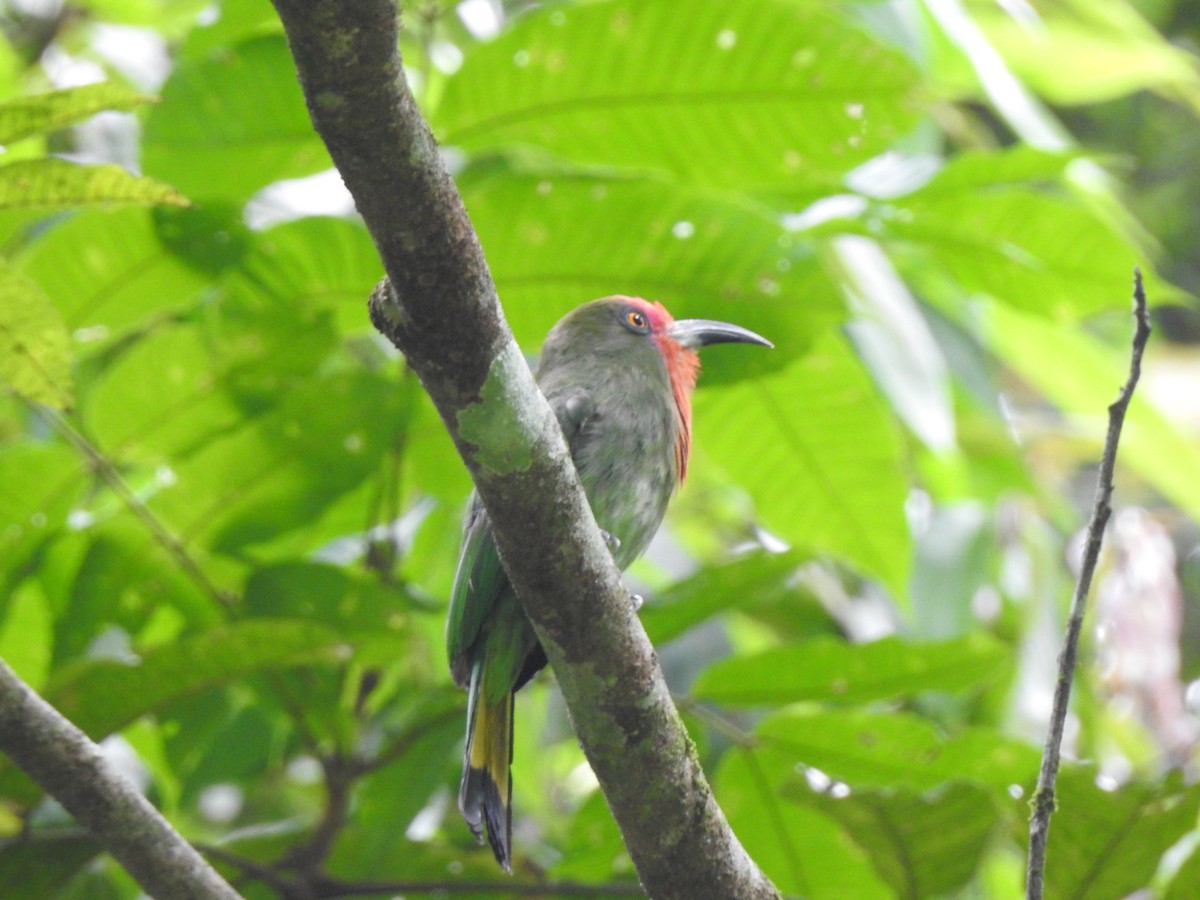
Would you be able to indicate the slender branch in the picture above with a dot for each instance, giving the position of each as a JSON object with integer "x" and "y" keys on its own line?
{"x": 1043, "y": 798}
{"x": 409, "y": 738}
{"x": 308, "y": 857}
{"x": 73, "y": 770}
{"x": 438, "y": 305}
{"x": 331, "y": 888}
{"x": 325, "y": 888}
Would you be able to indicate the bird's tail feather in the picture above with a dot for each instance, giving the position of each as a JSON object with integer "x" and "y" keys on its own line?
{"x": 485, "y": 794}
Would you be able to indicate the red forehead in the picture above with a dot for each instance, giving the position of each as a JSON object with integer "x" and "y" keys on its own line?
{"x": 656, "y": 314}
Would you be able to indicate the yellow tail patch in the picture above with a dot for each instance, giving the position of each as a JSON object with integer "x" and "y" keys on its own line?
{"x": 491, "y": 744}
{"x": 486, "y": 790}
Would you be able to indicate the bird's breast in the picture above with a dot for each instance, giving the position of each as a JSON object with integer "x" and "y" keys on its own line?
{"x": 626, "y": 462}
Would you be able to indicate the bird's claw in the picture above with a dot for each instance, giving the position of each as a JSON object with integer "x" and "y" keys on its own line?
{"x": 611, "y": 540}
{"x": 637, "y": 601}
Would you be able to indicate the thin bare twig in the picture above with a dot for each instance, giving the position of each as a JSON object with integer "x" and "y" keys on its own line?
{"x": 321, "y": 887}
{"x": 409, "y": 738}
{"x": 332, "y": 888}
{"x": 1043, "y": 798}
{"x": 104, "y": 467}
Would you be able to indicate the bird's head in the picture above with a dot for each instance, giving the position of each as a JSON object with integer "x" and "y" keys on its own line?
{"x": 613, "y": 324}
{"x": 630, "y": 331}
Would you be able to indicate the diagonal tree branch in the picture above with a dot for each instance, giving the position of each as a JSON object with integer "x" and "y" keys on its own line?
{"x": 1043, "y": 798}
{"x": 60, "y": 758}
{"x": 438, "y": 305}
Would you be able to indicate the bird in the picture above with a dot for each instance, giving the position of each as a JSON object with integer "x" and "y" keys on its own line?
{"x": 618, "y": 373}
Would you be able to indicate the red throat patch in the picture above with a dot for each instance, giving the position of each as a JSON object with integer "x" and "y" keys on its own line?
{"x": 683, "y": 365}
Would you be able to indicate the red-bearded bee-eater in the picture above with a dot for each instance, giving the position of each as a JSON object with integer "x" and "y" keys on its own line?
{"x": 618, "y": 373}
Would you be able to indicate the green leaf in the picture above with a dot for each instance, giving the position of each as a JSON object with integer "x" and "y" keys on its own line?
{"x": 168, "y": 19}
{"x": 41, "y": 866}
{"x": 1185, "y": 883}
{"x": 389, "y": 798}
{"x": 231, "y": 122}
{"x": 42, "y": 113}
{"x": 313, "y": 264}
{"x": 110, "y": 271}
{"x": 760, "y": 95}
{"x": 832, "y": 670}
{"x": 892, "y": 749}
{"x": 804, "y": 852}
{"x": 377, "y": 617}
{"x": 828, "y": 472}
{"x": 592, "y": 849}
{"x": 148, "y": 740}
{"x": 701, "y": 253}
{"x": 278, "y": 473}
{"x": 760, "y": 580}
{"x": 103, "y": 695}
{"x": 1107, "y": 844}
{"x": 35, "y": 357}
{"x": 982, "y": 225}
{"x": 52, "y": 183}
{"x": 139, "y": 419}
{"x": 1082, "y": 376}
{"x": 119, "y": 575}
{"x": 1091, "y": 52}
{"x": 25, "y": 633}
{"x": 240, "y": 751}
{"x": 39, "y": 485}
{"x": 239, "y": 20}
{"x": 922, "y": 845}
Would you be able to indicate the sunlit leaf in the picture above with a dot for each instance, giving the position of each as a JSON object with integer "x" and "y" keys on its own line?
{"x": 39, "y": 113}
{"x": 1079, "y": 53}
{"x": 109, "y": 271}
{"x": 894, "y": 748}
{"x": 51, "y": 183}
{"x": 117, "y": 573}
{"x": 231, "y": 122}
{"x": 1185, "y": 883}
{"x": 758, "y": 95}
{"x": 279, "y": 471}
{"x": 1082, "y": 376}
{"x": 556, "y": 238}
{"x": 981, "y": 223}
{"x": 760, "y": 580}
{"x": 804, "y": 852}
{"x": 39, "y": 484}
{"x": 922, "y": 845}
{"x": 26, "y": 635}
{"x": 135, "y": 418}
{"x": 100, "y": 696}
{"x": 829, "y": 669}
{"x": 35, "y": 359}
{"x": 827, "y": 471}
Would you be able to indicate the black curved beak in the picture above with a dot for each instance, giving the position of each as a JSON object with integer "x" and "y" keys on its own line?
{"x": 697, "y": 333}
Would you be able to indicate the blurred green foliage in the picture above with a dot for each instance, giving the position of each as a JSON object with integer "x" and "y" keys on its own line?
{"x": 229, "y": 515}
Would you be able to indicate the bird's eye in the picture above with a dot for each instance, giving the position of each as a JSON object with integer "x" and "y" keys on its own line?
{"x": 635, "y": 320}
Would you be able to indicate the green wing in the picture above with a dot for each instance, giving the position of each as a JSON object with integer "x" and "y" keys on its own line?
{"x": 480, "y": 580}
